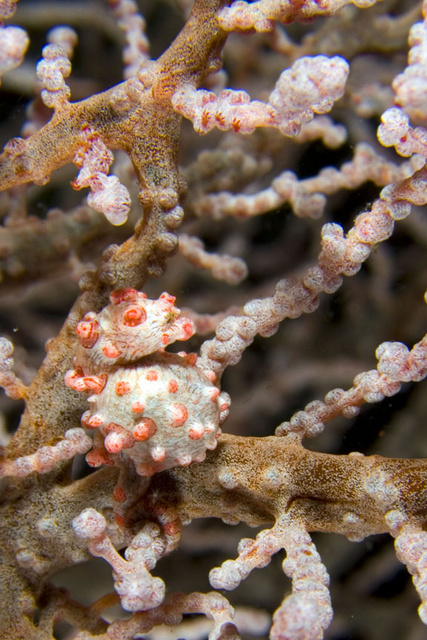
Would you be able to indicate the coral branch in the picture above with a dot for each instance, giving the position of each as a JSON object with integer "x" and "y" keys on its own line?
{"x": 137, "y": 589}
{"x": 214, "y": 606}
{"x": 107, "y": 194}
{"x": 52, "y": 70}
{"x": 306, "y": 613}
{"x": 339, "y": 256}
{"x": 133, "y": 24}
{"x": 311, "y": 86}
{"x": 44, "y": 460}
{"x": 12, "y": 385}
{"x": 223, "y": 267}
{"x": 396, "y": 364}
{"x": 260, "y": 15}
{"x": 14, "y": 41}
{"x": 308, "y": 197}
{"x": 157, "y": 414}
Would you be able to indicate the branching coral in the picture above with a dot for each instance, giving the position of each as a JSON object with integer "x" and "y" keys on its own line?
{"x": 154, "y": 424}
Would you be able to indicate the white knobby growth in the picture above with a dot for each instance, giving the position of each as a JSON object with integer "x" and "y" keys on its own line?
{"x": 411, "y": 550}
{"x": 253, "y": 554}
{"x": 411, "y": 85}
{"x": 261, "y": 15}
{"x": 396, "y": 364}
{"x": 229, "y": 109}
{"x": 310, "y": 86}
{"x": 14, "y": 42}
{"x": 108, "y": 195}
{"x": 13, "y": 386}
{"x": 341, "y": 255}
{"x": 51, "y": 70}
{"x": 395, "y": 131}
{"x": 223, "y": 267}
{"x": 136, "y": 51}
{"x": 44, "y": 459}
{"x": 399, "y": 363}
{"x": 308, "y": 196}
{"x": 307, "y": 612}
{"x": 137, "y": 588}
{"x": 218, "y": 611}
{"x": 323, "y": 128}
{"x": 64, "y": 37}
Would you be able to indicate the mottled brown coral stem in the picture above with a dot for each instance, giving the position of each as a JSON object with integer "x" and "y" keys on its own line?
{"x": 256, "y": 479}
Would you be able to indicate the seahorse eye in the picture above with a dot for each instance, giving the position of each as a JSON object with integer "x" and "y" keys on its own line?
{"x": 134, "y": 316}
